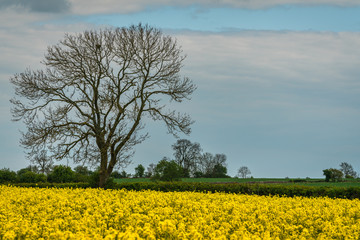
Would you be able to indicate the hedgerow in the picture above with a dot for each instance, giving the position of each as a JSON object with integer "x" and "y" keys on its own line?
{"x": 238, "y": 188}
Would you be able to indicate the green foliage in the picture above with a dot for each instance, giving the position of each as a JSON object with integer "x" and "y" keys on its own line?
{"x": 198, "y": 174}
{"x": 219, "y": 171}
{"x": 40, "y": 178}
{"x": 7, "y": 176}
{"x": 332, "y": 174}
{"x": 28, "y": 177}
{"x": 52, "y": 185}
{"x": 246, "y": 188}
{"x": 83, "y": 170}
{"x": 117, "y": 174}
{"x": 81, "y": 177}
{"x": 81, "y": 174}
{"x": 94, "y": 181}
{"x": 167, "y": 171}
{"x": 139, "y": 171}
{"x": 61, "y": 174}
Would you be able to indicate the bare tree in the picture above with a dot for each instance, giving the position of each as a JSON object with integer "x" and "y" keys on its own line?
{"x": 206, "y": 163}
{"x": 186, "y": 155}
{"x": 244, "y": 172}
{"x": 348, "y": 170}
{"x": 90, "y": 101}
{"x": 150, "y": 169}
{"x": 43, "y": 162}
{"x": 220, "y": 159}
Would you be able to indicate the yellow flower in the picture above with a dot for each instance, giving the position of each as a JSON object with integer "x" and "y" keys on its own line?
{"x": 33, "y": 213}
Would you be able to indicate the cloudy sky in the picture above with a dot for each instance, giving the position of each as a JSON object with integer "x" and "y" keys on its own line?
{"x": 278, "y": 80}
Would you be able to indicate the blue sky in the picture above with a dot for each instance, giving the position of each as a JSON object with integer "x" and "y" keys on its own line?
{"x": 278, "y": 18}
{"x": 278, "y": 81}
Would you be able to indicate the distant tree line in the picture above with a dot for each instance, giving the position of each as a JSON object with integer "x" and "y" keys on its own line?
{"x": 189, "y": 161}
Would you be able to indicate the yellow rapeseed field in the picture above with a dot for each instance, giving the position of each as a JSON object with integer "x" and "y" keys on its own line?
{"x": 30, "y": 213}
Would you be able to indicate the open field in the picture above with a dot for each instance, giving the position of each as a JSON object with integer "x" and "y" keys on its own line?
{"x": 50, "y": 213}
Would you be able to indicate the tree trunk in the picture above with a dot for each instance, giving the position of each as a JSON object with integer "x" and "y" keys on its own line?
{"x": 103, "y": 173}
{"x": 103, "y": 177}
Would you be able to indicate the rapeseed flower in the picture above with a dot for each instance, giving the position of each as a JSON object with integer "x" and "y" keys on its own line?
{"x": 33, "y": 213}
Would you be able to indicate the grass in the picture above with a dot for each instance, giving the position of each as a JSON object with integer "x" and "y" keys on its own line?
{"x": 297, "y": 181}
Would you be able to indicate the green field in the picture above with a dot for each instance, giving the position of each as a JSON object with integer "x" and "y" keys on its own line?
{"x": 297, "y": 181}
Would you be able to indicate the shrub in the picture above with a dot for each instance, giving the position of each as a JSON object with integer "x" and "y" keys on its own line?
{"x": 332, "y": 174}
{"x": 117, "y": 174}
{"x": 61, "y": 174}
{"x": 31, "y": 177}
{"x": 94, "y": 181}
{"x": 27, "y": 177}
{"x": 40, "y": 178}
{"x": 7, "y": 176}
{"x": 81, "y": 177}
{"x": 167, "y": 171}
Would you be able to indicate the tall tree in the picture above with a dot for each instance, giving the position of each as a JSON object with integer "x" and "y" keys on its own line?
{"x": 186, "y": 155}
{"x": 97, "y": 86}
{"x": 348, "y": 170}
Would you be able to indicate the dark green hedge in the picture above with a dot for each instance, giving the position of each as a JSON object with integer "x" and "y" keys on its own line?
{"x": 240, "y": 188}
{"x": 52, "y": 185}
{"x": 245, "y": 188}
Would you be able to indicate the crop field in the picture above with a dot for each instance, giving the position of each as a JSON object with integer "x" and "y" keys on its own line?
{"x": 50, "y": 213}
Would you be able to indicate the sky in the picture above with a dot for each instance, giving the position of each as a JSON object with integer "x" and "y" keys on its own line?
{"x": 278, "y": 80}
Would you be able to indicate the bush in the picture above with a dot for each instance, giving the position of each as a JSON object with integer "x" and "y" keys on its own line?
{"x": 167, "y": 171}
{"x": 27, "y": 177}
{"x": 332, "y": 174}
{"x": 61, "y": 174}
{"x": 198, "y": 174}
{"x": 40, "y": 178}
{"x": 246, "y": 188}
{"x": 349, "y": 176}
{"x": 94, "y": 181}
{"x": 31, "y": 177}
{"x": 83, "y": 170}
{"x": 52, "y": 185}
{"x": 7, "y": 176}
{"x": 81, "y": 177}
{"x": 117, "y": 174}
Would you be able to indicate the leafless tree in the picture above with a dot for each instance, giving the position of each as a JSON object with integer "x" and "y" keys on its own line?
{"x": 244, "y": 171}
{"x": 150, "y": 169}
{"x": 348, "y": 170}
{"x": 90, "y": 101}
{"x": 206, "y": 163}
{"x": 186, "y": 155}
{"x": 43, "y": 162}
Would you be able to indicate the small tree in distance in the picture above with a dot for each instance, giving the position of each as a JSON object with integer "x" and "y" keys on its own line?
{"x": 332, "y": 174}
{"x": 43, "y": 162}
{"x": 167, "y": 170}
{"x": 348, "y": 170}
{"x": 186, "y": 155}
{"x": 243, "y": 172}
{"x": 139, "y": 171}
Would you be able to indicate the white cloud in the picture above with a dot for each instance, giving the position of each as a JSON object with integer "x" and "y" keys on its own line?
{"x": 268, "y": 76}
{"x": 130, "y": 6}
